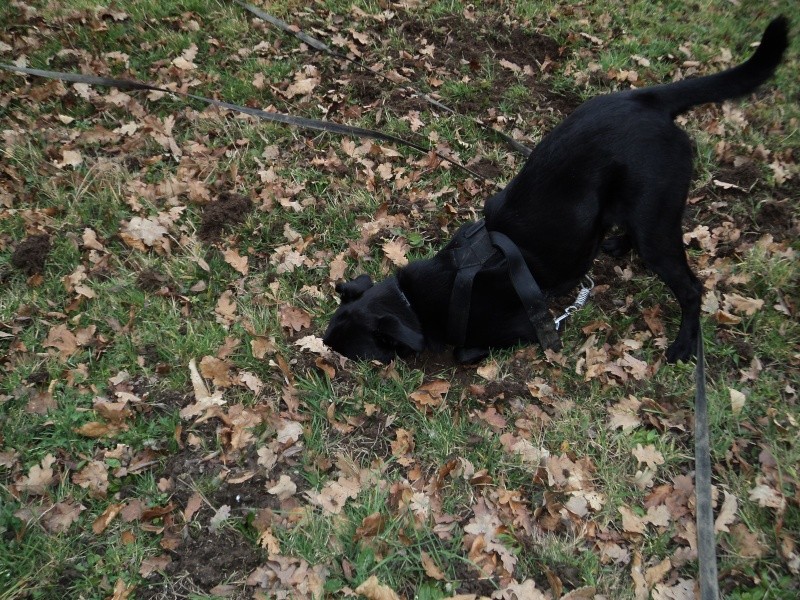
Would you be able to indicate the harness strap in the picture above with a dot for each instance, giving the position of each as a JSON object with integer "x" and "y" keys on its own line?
{"x": 529, "y": 292}
{"x": 469, "y": 259}
{"x": 478, "y": 247}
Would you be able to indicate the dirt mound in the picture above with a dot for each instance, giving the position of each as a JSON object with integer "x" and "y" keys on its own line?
{"x": 31, "y": 254}
{"x": 229, "y": 209}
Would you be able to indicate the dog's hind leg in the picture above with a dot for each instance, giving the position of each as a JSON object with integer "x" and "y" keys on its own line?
{"x": 664, "y": 254}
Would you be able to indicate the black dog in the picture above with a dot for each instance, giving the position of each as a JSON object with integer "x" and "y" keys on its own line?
{"x": 618, "y": 160}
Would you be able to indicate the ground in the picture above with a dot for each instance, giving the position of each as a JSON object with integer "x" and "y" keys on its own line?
{"x": 172, "y": 426}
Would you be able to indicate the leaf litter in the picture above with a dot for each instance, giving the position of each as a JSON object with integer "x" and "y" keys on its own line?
{"x": 244, "y": 429}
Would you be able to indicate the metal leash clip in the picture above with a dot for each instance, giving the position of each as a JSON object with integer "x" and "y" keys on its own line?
{"x": 583, "y": 296}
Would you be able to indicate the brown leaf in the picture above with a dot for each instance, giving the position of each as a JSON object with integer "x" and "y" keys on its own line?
{"x": 61, "y": 516}
{"x": 727, "y": 514}
{"x": 374, "y": 590}
{"x": 147, "y": 232}
{"x": 431, "y": 393}
{"x": 238, "y": 262}
{"x": 371, "y": 525}
{"x": 217, "y": 370}
{"x": 193, "y": 504}
{"x": 293, "y": 318}
{"x": 631, "y": 522}
{"x": 155, "y": 563}
{"x": 285, "y": 488}
{"x": 104, "y": 520}
{"x": 395, "y": 251}
{"x": 95, "y": 429}
{"x": 432, "y": 570}
{"x": 39, "y": 477}
{"x": 94, "y": 477}
{"x": 226, "y": 309}
{"x": 63, "y": 340}
{"x": 648, "y": 455}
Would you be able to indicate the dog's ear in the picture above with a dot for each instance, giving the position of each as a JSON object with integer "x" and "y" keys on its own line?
{"x": 392, "y": 327}
{"x": 352, "y": 290}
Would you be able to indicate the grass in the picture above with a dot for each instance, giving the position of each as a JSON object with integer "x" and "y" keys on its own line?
{"x": 540, "y": 475}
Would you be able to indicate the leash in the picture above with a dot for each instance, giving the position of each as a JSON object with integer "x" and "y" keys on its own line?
{"x": 323, "y": 47}
{"x": 275, "y": 117}
{"x": 706, "y": 543}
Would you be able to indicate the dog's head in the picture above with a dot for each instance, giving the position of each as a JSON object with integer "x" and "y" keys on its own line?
{"x": 374, "y": 322}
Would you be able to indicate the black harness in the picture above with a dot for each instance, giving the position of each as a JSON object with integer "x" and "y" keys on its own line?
{"x": 474, "y": 247}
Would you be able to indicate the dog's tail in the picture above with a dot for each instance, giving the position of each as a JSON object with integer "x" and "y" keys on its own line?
{"x": 680, "y": 96}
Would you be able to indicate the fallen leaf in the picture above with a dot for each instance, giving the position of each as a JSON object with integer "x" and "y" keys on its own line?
{"x": 727, "y": 514}
{"x": 737, "y": 401}
{"x": 432, "y": 570}
{"x": 223, "y": 514}
{"x": 61, "y": 516}
{"x": 395, "y": 251}
{"x": 285, "y": 488}
{"x": 374, "y": 590}
{"x": 69, "y": 158}
{"x": 431, "y": 393}
{"x": 648, "y": 455}
{"x": 631, "y": 522}
{"x": 39, "y": 478}
{"x": 295, "y": 319}
{"x": 238, "y": 262}
{"x": 104, "y": 520}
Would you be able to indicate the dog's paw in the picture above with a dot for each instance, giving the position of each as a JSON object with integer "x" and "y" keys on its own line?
{"x": 617, "y": 245}
{"x": 681, "y": 351}
{"x": 468, "y": 356}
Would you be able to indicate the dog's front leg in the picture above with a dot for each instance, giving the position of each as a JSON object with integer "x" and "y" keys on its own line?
{"x": 468, "y": 356}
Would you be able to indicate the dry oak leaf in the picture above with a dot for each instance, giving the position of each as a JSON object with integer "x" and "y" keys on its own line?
{"x": 61, "y": 338}
{"x": 69, "y": 158}
{"x": 148, "y": 232}
{"x": 395, "y": 251}
{"x": 737, "y": 400}
{"x": 431, "y": 393}
{"x": 222, "y": 515}
{"x": 96, "y": 429}
{"x": 332, "y": 497}
{"x": 371, "y": 525}
{"x": 624, "y": 414}
{"x": 94, "y": 477}
{"x": 294, "y": 318}
{"x": 631, "y": 522}
{"x": 727, "y": 514}
{"x": 768, "y": 497}
{"x": 313, "y": 344}
{"x": 285, "y": 488}
{"x": 39, "y": 477}
{"x": 218, "y": 371}
{"x": 741, "y": 304}
{"x": 432, "y": 570}
{"x": 154, "y": 563}
{"x": 238, "y": 262}
{"x": 61, "y": 516}
{"x": 226, "y": 309}
{"x": 648, "y": 455}
{"x": 372, "y": 589}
